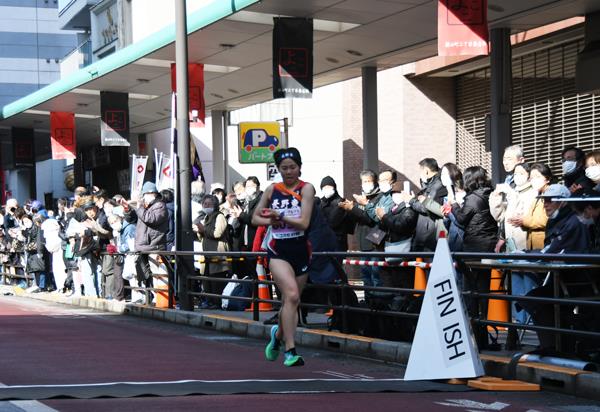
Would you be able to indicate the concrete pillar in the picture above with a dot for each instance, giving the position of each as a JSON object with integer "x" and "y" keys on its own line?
{"x": 369, "y": 112}
{"x": 219, "y": 163}
{"x": 501, "y": 99}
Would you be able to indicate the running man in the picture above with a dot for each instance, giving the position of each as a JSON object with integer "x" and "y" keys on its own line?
{"x": 286, "y": 207}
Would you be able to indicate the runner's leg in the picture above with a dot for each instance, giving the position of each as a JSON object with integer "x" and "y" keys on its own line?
{"x": 285, "y": 278}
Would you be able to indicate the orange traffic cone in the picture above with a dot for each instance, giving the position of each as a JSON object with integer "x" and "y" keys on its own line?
{"x": 420, "y": 278}
{"x": 498, "y": 310}
{"x": 264, "y": 291}
{"x": 162, "y": 282}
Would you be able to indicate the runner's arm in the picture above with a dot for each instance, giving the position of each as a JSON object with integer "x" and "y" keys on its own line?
{"x": 308, "y": 201}
{"x": 257, "y": 219}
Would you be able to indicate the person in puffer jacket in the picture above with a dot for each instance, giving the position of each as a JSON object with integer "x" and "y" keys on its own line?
{"x": 481, "y": 235}
{"x": 152, "y": 225}
{"x": 400, "y": 224}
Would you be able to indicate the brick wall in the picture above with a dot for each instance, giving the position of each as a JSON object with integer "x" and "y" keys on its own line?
{"x": 416, "y": 120}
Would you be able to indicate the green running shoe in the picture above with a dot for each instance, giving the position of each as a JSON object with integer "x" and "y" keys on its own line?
{"x": 291, "y": 358}
{"x": 272, "y": 349}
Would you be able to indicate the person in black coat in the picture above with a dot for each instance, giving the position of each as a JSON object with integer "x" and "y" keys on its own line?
{"x": 253, "y": 195}
{"x": 167, "y": 197}
{"x": 588, "y": 213}
{"x": 38, "y": 259}
{"x": 338, "y": 219}
{"x": 429, "y": 224}
{"x": 565, "y": 233}
{"x": 400, "y": 224}
{"x": 481, "y": 231}
{"x": 573, "y": 167}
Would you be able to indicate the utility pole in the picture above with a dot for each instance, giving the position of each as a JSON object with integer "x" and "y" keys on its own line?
{"x": 184, "y": 214}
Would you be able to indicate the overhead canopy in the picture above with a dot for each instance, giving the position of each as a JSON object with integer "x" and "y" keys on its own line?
{"x": 233, "y": 40}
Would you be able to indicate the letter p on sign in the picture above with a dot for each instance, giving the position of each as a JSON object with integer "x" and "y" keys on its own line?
{"x": 258, "y": 136}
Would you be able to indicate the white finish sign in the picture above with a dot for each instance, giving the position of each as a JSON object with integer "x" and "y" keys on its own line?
{"x": 444, "y": 346}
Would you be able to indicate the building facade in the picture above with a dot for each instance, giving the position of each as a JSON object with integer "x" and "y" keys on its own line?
{"x": 32, "y": 46}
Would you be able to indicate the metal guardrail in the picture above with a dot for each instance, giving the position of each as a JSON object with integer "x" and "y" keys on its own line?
{"x": 538, "y": 262}
{"x": 529, "y": 262}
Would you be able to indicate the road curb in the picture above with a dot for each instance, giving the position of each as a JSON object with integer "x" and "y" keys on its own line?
{"x": 569, "y": 381}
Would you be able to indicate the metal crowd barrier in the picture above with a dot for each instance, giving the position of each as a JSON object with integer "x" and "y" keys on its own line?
{"x": 537, "y": 262}
{"x": 9, "y": 270}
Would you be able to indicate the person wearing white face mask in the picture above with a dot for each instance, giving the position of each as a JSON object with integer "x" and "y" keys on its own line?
{"x": 592, "y": 168}
{"x": 574, "y": 176}
{"x": 212, "y": 232}
{"x": 534, "y": 219}
{"x": 452, "y": 179}
{"x": 508, "y": 208}
{"x": 248, "y": 230}
{"x": 152, "y": 226}
{"x": 400, "y": 223}
{"x": 365, "y": 224}
{"x": 564, "y": 232}
{"x": 123, "y": 238}
{"x": 509, "y": 213}
{"x": 338, "y": 219}
{"x": 588, "y": 213}
{"x": 386, "y": 179}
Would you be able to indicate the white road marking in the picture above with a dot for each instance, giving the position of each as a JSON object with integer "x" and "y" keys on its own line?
{"x": 202, "y": 381}
{"x": 344, "y": 375}
{"x": 467, "y": 403}
{"x": 29, "y": 406}
{"x": 220, "y": 337}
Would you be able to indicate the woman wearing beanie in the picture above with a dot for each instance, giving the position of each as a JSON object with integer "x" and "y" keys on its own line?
{"x": 338, "y": 218}
{"x": 286, "y": 208}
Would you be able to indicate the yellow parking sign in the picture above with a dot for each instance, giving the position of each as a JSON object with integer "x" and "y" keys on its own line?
{"x": 258, "y": 141}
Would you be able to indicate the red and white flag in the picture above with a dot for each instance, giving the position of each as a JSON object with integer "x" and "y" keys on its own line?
{"x": 138, "y": 172}
{"x": 165, "y": 178}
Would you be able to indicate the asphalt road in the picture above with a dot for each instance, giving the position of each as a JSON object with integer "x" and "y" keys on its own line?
{"x": 50, "y": 344}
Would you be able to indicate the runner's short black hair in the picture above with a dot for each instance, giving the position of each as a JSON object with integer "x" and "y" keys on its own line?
{"x": 288, "y": 153}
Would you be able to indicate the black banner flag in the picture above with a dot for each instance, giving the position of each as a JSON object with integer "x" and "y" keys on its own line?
{"x": 114, "y": 129}
{"x": 22, "y": 140}
{"x": 292, "y": 57}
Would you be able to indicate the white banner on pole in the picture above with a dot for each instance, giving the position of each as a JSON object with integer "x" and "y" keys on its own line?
{"x": 165, "y": 179}
{"x": 156, "y": 164}
{"x": 444, "y": 346}
{"x": 138, "y": 172}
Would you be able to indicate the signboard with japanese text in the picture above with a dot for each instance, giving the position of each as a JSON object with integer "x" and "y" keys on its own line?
{"x": 258, "y": 141}
{"x": 462, "y": 28}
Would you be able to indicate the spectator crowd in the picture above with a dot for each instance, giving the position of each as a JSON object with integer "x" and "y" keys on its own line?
{"x": 80, "y": 246}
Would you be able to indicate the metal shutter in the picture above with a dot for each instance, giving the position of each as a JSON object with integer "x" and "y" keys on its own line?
{"x": 472, "y": 105}
{"x": 548, "y": 115}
